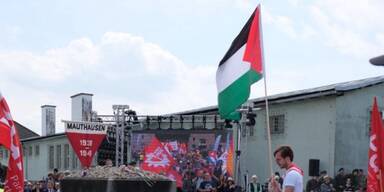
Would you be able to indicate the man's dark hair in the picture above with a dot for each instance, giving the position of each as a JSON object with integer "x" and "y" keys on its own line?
{"x": 323, "y": 172}
{"x": 285, "y": 151}
{"x": 341, "y": 169}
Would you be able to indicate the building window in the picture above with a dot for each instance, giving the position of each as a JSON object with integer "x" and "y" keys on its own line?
{"x": 277, "y": 123}
{"x": 51, "y": 157}
{"x": 24, "y": 151}
{"x": 74, "y": 160}
{"x": 58, "y": 156}
{"x": 30, "y": 151}
{"x": 37, "y": 150}
{"x": 66, "y": 156}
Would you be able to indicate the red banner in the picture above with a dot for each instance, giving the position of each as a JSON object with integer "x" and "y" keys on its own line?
{"x": 183, "y": 148}
{"x": 9, "y": 137}
{"x": 85, "y": 138}
{"x": 156, "y": 158}
{"x": 375, "y": 154}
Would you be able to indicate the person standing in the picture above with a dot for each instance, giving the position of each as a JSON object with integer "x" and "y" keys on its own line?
{"x": 293, "y": 180}
{"x": 340, "y": 180}
{"x": 255, "y": 186}
{"x": 312, "y": 185}
{"x": 207, "y": 185}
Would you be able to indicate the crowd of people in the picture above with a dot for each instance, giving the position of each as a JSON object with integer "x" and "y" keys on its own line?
{"x": 342, "y": 182}
{"x": 49, "y": 184}
{"x": 202, "y": 173}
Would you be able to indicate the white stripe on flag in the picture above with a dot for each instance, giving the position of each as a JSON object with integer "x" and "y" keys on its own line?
{"x": 231, "y": 70}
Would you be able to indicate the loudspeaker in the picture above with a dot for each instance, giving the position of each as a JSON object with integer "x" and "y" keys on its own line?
{"x": 314, "y": 167}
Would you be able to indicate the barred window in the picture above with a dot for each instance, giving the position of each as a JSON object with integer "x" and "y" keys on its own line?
{"x": 74, "y": 160}
{"x": 66, "y": 156}
{"x": 51, "y": 157}
{"x": 37, "y": 150}
{"x": 277, "y": 124}
{"x": 24, "y": 152}
{"x": 58, "y": 156}
{"x": 30, "y": 152}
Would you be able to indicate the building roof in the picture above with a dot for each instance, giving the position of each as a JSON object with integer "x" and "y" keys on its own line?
{"x": 43, "y": 137}
{"x": 24, "y": 132}
{"x": 89, "y": 94}
{"x": 333, "y": 89}
{"x": 47, "y": 106}
{"x": 327, "y": 90}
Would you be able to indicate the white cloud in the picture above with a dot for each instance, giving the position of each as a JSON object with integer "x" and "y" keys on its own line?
{"x": 347, "y": 26}
{"x": 53, "y": 65}
{"x": 294, "y": 2}
{"x": 122, "y": 68}
{"x": 345, "y": 40}
{"x": 282, "y": 23}
{"x": 360, "y": 15}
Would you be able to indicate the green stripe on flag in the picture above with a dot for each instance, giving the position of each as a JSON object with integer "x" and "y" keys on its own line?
{"x": 236, "y": 94}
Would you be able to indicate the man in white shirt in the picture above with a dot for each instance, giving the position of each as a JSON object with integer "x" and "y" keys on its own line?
{"x": 293, "y": 180}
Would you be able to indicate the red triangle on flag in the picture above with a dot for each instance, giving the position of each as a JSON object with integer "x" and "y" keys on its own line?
{"x": 156, "y": 158}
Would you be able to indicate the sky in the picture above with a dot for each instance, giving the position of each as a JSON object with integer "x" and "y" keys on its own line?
{"x": 161, "y": 56}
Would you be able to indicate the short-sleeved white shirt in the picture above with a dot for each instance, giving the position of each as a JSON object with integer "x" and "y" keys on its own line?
{"x": 294, "y": 179}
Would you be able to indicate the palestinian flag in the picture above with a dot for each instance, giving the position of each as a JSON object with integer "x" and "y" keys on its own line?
{"x": 241, "y": 66}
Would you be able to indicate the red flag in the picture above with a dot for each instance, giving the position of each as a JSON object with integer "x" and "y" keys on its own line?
{"x": 172, "y": 145}
{"x": 182, "y": 148}
{"x": 9, "y": 137}
{"x": 375, "y": 154}
{"x": 156, "y": 158}
{"x": 175, "y": 176}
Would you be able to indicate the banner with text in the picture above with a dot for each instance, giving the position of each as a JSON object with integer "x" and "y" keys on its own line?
{"x": 85, "y": 138}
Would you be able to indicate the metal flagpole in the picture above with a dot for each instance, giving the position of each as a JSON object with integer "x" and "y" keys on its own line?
{"x": 237, "y": 153}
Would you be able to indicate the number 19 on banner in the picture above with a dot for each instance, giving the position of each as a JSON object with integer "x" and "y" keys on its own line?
{"x": 86, "y": 153}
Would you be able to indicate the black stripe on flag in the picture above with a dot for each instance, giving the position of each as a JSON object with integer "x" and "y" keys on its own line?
{"x": 239, "y": 41}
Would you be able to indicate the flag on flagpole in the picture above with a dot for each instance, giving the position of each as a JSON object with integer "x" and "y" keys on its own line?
{"x": 241, "y": 66}
{"x": 9, "y": 138}
{"x": 375, "y": 154}
{"x": 227, "y": 156}
{"x": 230, "y": 159}
{"x": 156, "y": 158}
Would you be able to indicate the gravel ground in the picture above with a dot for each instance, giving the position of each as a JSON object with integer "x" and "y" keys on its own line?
{"x": 122, "y": 172}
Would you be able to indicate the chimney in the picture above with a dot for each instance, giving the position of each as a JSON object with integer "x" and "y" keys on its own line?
{"x": 48, "y": 120}
{"x": 82, "y": 107}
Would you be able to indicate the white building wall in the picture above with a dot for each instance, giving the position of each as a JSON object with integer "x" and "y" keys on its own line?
{"x": 309, "y": 130}
{"x": 353, "y": 125}
{"x": 37, "y": 166}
